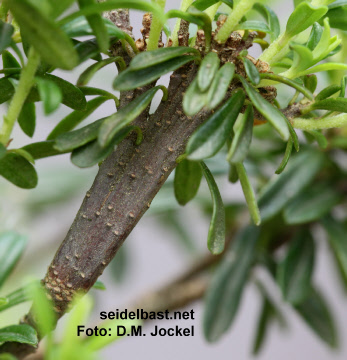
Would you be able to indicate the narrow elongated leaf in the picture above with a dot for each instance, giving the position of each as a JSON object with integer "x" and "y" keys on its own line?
{"x": 27, "y": 119}
{"x": 6, "y": 31}
{"x": 12, "y": 246}
{"x": 248, "y": 193}
{"x": 225, "y": 291}
{"x": 6, "y": 90}
{"x": 254, "y": 25}
{"x": 58, "y": 7}
{"x": 271, "y": 18}
{"x": 251, "y": 71}
{"x": 188, "y": 176}
{"x": 337, "y": 239}
{"x": 96, "y": 23}
{"x": 92, "y": 153}
{"x": 322, "y": 141}
{"x": 77, "y": 138}
{"x": 194, "y": 99}
{"x": 318, "y": 317}
{"x": 204, "y": 4}
{"x": 207, "y": 70}
{"x": 315, "y": 36}
{"x": 327, "y": 92}
{"x": 23, "y": 333}
{"x": 126, "y": 115}
{"x": 311, "y": 205}
{"x": 272, "y": 114}
{"x": 44, "y": 35}
{"x": 87, "y": 90}
{"x": 216, "y": 232}
{"x": 295, "y": 271}
{"x": 131, "y": 79}
{"x": 304, "y": 16}
{"x": 18, "y": 171}
{"x": 50, "y": 95}
{"x": 87, "y": 74}
{"x": 209, "y": 138}
{"x": 3, "y": 150}
{"x": 76, "y": 117}
{"x": 334, "y": 104}
{"x": 242, "y": 139}
{"x": 42, "y": 149}
{"x": 310, "y": 82}
{"x": 10, "y": 62}
{"x": 338, "y": 17}
{"x": 298, "y": 174}
{"x": 155, "y": 57}
{"x": 72, "y": 95}
{"x": 88, "y": 49}
{"x": 16, "y": 297}
{"x": 220, "y": 85}
{"x": 287, "y": 154}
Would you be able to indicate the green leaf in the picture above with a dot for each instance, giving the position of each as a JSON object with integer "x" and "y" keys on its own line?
{"x": 42, "y": 149}
{"x": 242, "y": 139}
{"x": 7, "y": 356}
{"x": 3, "y": 150}
{"x": 337, "y": 239}
{"x": 18, "y": 171}
{"x": 310, "y": 82}
{"x": 272, "y": 114}
{"x": 72, "y": 95}
{"x": 92, "y": 153}
{"x": 194, "y": 99}
{"x": 87, "y": 90}
{"x": 159, "y": 56}
{"x": 306, "y": 92}
{"x": 287, "y": 154}
{"x": 126, "y": 115}
{"x": 254, "y": 25}
{"x": 324, "y": 67}
{"x": 318, "y": 317}
{"x": 9, "y": 62}
{"x": 338, "y": 17}
{"x": 248, "y": 193}
{"x": 207, "y": 71}
{"x": 327, "y": 92}
{"x": 16, "y": 297}
{"x": 304, "y": 15}
{"x": 58, "y": 7}
{"x": 27, "y": 119}
{"x": 319, "y": 137}
{"x": 209, "y": 138}
{"x": 12, "y": 246}
{"x": 99, "y": 285}
{"x": 188, "y": 176}
{"x": 315, "y": 36}
{"x": 88, "y": 49}
{"x": 251, "y": 71}
{"x": 298, "y": 174}
{"x": 334, "y": 104}
{"x": 87, "y": 74}
{"x": 220, "y": 85}
{"x": 23, "y": 333}
{"x": 80, "y": 27}
{"x": 96, "y": 23}
{"x": 311, "y": 205}
{"x": 6, "y": 90}
{"x": 76, "y": 117}
{"x": 131, "y": 79}
{"x": 6, "y": 32}
{"x": 74, "y": 139}
{"x": 44, "y": 35}
{"x": 216, "y": 232}
{"x": 50, "y": 95}
{"x": 295, "y": 270}
{"x": 228, "y": 282}
{"x": 204, "y": 4}
{"x": 271, "y": 18}
{"x": 24, "y": 154}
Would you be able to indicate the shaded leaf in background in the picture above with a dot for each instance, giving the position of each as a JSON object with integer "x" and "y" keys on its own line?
{"x": 295, "y": 270}
{"x": 188, "y": 176}
{"x": 298, "y": 174}
{"x": 18, "y": 171}
{"x": 311, "y": 205}
{"x": 3, "y": 150}
{"x": 6, "y": 90}
{"x": 228, "y": 282}
{"x": 119, "y": 264}
{"x": 50, "y": 95}
{"x": 271, "y": 18}
{"x": 6, "y": 31}
{"x": 216, "y": 232}
{"x": 12, "y": 246}
{"x": 316, "y": 313}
